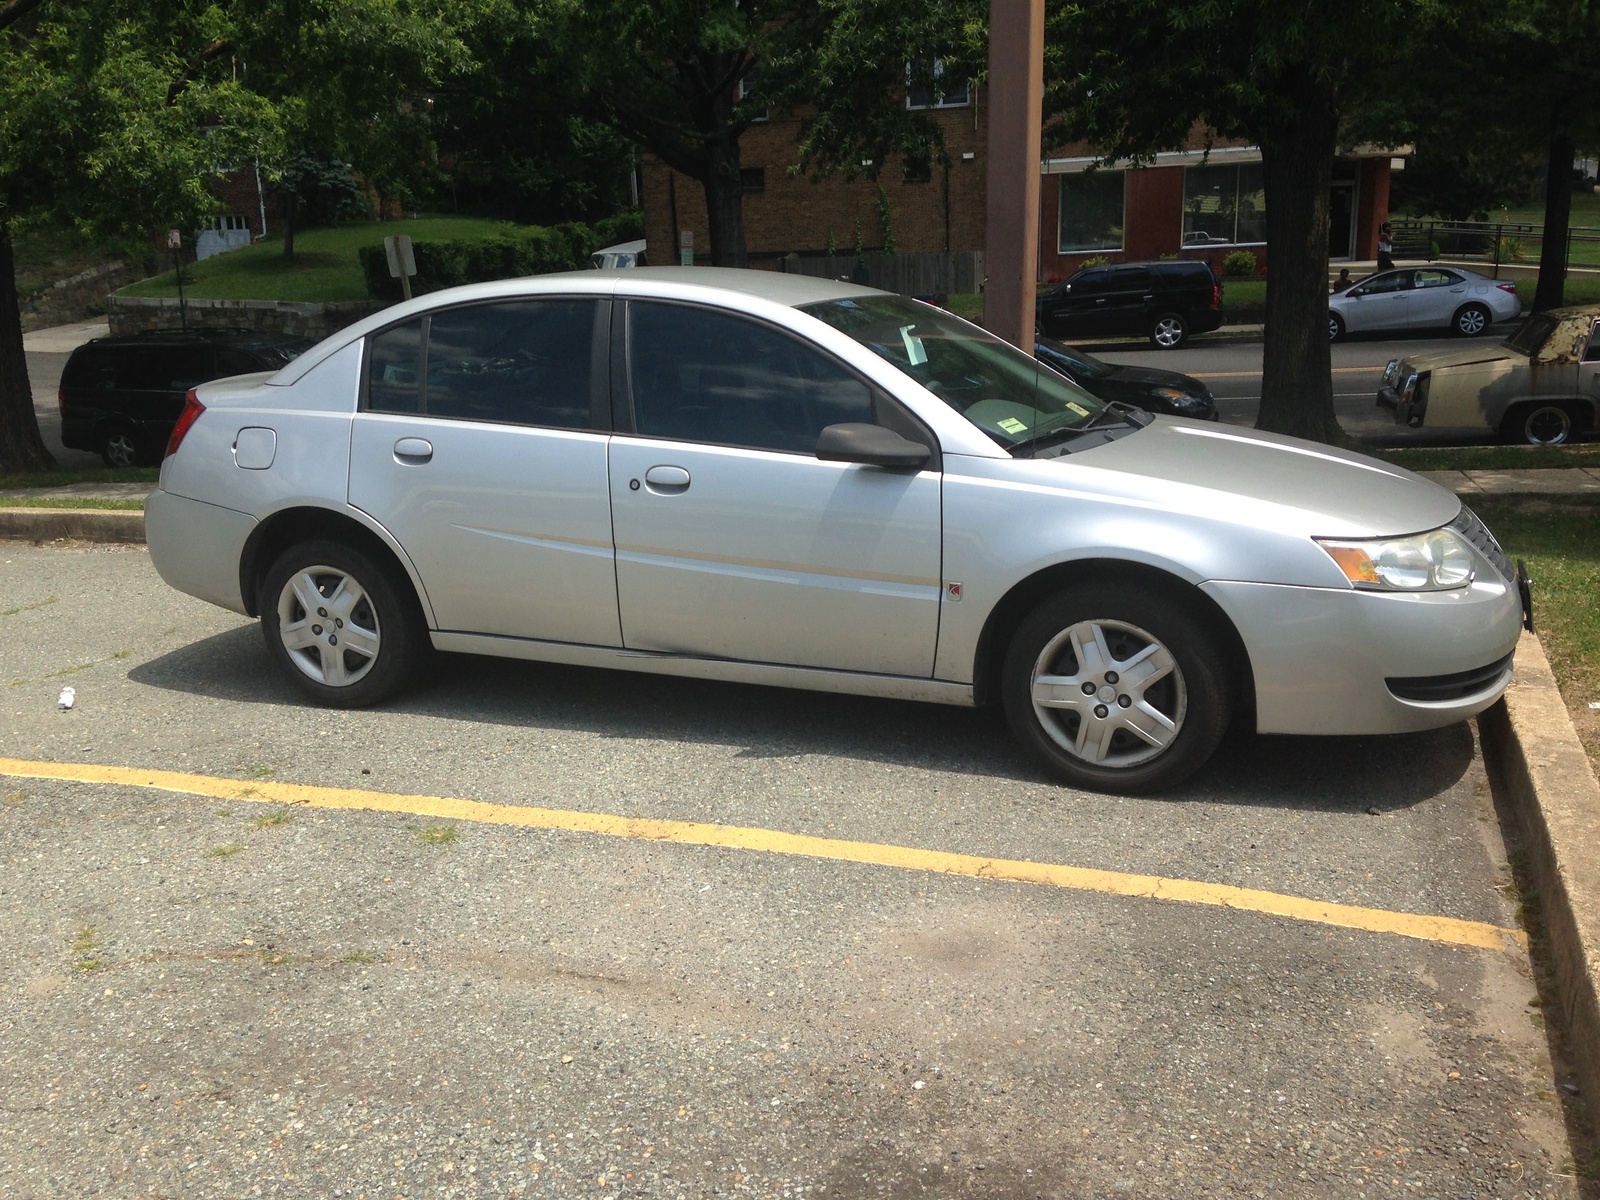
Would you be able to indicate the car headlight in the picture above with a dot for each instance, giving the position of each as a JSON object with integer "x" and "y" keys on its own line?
{"x": 1178, "y": 398}
{"x": 1389, "y": 371}
{"x": 1410, "y": 388}
{"x": 1424, "y": 562}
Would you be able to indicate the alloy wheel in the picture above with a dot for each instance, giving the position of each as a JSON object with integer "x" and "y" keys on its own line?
{"x": 328, "y": 625}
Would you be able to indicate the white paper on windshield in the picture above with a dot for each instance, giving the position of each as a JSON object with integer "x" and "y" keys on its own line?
{"x": 914, "y": 351}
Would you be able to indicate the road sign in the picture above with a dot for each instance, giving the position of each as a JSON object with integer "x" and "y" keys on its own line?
{"x": 686, "y": 247}
{"x": 174, "y": 239}
{"x": 402, "y": 262}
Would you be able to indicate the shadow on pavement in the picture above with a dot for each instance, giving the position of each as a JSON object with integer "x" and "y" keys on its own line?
{"x": 1330, "y": 774}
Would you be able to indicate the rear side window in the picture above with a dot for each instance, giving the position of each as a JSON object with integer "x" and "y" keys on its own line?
{"x": 1185, "y": 274}
{"x": 94, "y": 367}
{"x": 233, "y": 361}
{"x": 525, "y": 362}
{"x": 704, "y": 376}
{"x": 162, "y": 368}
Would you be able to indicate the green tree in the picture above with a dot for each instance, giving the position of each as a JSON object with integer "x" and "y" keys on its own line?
{"x": 1134, "y": 76}
{"x": 108, "y": 119}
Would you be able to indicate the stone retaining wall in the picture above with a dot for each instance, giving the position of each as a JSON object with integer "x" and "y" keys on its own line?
{"x": 70, "y": 300}
{"x": 277, "y": 318}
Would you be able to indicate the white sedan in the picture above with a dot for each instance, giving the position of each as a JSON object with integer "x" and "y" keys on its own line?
{"x": 1423, "y": 298}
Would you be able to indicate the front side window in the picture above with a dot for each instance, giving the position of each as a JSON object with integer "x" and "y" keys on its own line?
{"x": 1091, "y": 212}
{"x": 997, "y": 387}
{"x": 1379, "y": 285}
{"x": 705, "y": 376}
{"x": 1224, "y": 205}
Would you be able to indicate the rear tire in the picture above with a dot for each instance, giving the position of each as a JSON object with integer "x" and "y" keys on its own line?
{"x": 342, "y": 626}
{"x": 1335, "y": 327}
{"x": 1472, "y": 320}
{"x": 1169, "y": 331}
{"x": 1542, "y": 423}
{"x": 1117, "y": 688}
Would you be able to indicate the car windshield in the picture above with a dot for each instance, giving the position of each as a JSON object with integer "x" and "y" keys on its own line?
{"x": 1531, "y": 336}
{"x": 997, "y": 387}
{"x": 1083, "y": 364}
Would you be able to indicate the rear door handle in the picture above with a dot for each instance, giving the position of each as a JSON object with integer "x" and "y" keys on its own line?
{"x": 413, "y": 451}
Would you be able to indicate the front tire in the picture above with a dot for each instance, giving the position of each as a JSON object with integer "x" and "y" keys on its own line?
{"x": 340, "y": 625}
{"x": 1335, "y": 327}
{"x": 1169, "y": 331}
{"x": 1472, "y": 320}
{"x": 1116, "y": 689}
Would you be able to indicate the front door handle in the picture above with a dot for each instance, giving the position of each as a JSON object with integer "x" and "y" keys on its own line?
{"x": 413, "y": 451}
{"x": 667, "y": 481}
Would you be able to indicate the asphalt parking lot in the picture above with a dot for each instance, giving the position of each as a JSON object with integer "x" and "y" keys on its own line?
{"x": 623, "y": 974}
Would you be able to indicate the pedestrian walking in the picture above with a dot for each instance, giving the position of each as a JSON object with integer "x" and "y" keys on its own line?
{"x": 1385, "y": 247}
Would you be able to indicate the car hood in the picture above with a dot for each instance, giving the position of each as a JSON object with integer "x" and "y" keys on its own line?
{"x": 1154, "y": 377}
{"x": 1265, "y": 479}
{"x": 1466, "y": 356}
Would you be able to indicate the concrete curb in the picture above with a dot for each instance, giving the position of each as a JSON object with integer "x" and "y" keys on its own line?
{"x": 1538, "y": 762}
{"x": 84, "y": 524}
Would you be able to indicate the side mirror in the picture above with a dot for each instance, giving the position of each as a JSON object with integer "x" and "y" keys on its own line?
{"x": 872, "y": 445}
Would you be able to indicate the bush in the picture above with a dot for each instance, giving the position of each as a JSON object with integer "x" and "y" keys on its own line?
{"x": 1099, "y": 260}
{"x": 1239, "y": 264}
{"x": 537, "y": 251}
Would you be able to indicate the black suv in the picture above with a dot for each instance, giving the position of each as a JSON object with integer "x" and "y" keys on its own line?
{"x": 1165, "y": 301}
{"x": 122, "y": 395}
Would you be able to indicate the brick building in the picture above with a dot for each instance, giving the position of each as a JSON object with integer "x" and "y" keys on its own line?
{"x": 1185, "y": 203}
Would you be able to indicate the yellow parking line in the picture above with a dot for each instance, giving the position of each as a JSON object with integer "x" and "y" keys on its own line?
{"x": 736, "y": 837}
{"x": 1253, "y": 374}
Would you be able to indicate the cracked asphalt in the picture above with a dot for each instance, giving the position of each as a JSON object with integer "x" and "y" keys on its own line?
{"x": 207, "y": 998}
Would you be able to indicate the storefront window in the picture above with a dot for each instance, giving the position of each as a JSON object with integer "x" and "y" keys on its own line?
{"x": 1091, "y": 211}
{"x": 1226, "y": 205}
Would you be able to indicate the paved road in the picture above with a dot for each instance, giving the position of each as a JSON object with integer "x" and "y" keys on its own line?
{"x": 1232, "y": 370}
{"x": 217, "y": 998}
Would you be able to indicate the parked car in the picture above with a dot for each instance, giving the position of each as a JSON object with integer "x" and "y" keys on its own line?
{"x": 1149, "y": 388}
{"x": 1165, "y": 301}
{"x": 1422, "y": 298}
{"x": 769, "y": 478}
{"x": 1541, "y": 386}
{"x": 120, "y": 396}
{"x": 623, "y": 254}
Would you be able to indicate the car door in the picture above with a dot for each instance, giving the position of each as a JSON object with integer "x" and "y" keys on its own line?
{"x": 1129, "y": 301}
{"x": 1381, "y": 302}
{"x": 481, "y": 445}
{"x": 1435, "y": 296}
{"x": 1077, "y": 308}
{"x": 733, "y": 539}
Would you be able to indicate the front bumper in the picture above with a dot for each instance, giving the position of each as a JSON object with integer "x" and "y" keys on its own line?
{"x": 1405, "y": 412}
{"x": 1335, "y": 661}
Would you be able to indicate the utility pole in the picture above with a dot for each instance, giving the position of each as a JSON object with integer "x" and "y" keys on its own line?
{"x": 1011, "y": 236}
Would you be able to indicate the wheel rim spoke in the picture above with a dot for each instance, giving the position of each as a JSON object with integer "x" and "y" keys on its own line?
{"x": 333, "y": 672}
{"x": 298, "y": 636}
{"x": 1150, "y": 724}
{"x": 305, "y": 591}
{"x": 362, "y": 641}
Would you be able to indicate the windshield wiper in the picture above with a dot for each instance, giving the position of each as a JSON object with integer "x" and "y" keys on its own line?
{"x": 1125, "y": 415}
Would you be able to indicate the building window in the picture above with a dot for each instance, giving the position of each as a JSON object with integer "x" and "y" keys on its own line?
{"x": 753, "y": 179}
{"x": 1224, "y": 205}
{"x": 746, "y": 96}
{"x": 938, "y": 93}
{"x": 1091, "y": 212}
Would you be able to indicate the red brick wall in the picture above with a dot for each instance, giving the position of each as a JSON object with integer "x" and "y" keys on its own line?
{"x": 796, "y": 214}
{"x": 1372, "y": 204}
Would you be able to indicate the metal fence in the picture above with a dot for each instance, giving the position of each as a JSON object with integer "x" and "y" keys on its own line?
{"x": 908, "y": 274}
{"x": 1493, "y": 243}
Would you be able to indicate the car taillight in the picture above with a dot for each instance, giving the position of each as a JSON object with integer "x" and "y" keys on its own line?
{"x": 61, "y": 401}
{"x": 1216, "y": 296}
{"x": 192, "y": 408}
{"x": 1507, "y": 287}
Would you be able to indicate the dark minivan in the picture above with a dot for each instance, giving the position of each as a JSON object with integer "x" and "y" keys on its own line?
{"x": 1165, "y": 301}
{"x": 122, "y": 395}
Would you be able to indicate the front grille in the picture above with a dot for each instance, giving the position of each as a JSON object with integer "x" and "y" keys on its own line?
{"x": 1438, "y": 689}
{"x": 1475, "y": 531}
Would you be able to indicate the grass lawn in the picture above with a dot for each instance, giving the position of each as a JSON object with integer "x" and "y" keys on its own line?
{"x": 324, "y": 267}
{"x": 1492, "y": 458}
{"x": 95, "y": 502}
{"x": 1560, "y": 538}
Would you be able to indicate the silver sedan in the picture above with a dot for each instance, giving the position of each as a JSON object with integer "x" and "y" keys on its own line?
{"x": 778, "y": 480}
{"x": 1423, "y": 298}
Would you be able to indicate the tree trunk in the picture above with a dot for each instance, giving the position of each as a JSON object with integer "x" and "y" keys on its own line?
{"x": 1296, "y": 375}
{"x": 21, "y": 447}
{"x": 1557, "y": 221}
{"x": 725, "y": 203}
{"x": 291, "y": 204}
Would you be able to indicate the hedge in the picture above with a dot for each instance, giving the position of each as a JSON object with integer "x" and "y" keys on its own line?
{"x": 538, "y": 250}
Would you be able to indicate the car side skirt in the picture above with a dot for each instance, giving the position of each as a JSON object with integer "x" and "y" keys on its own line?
{"x": 853, "y": 683}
